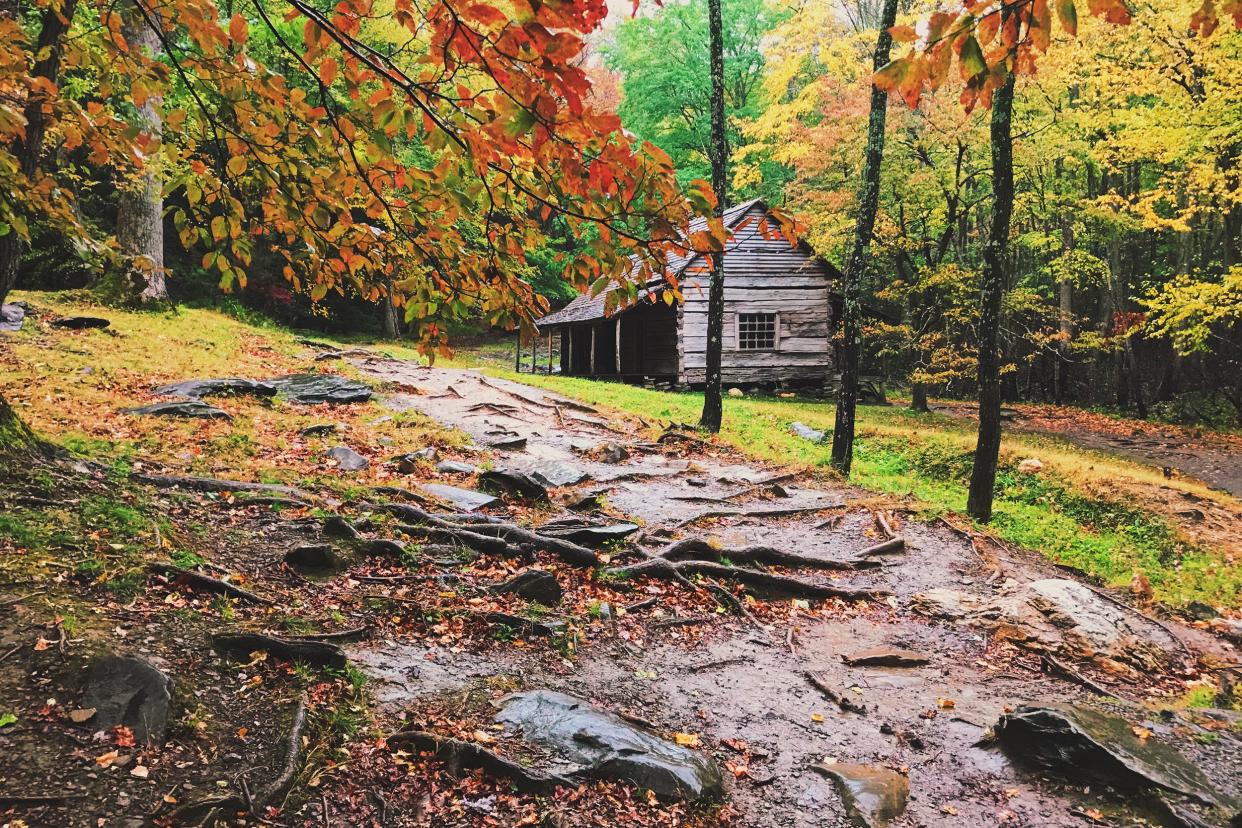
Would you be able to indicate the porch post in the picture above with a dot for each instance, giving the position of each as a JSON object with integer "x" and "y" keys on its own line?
{"x": 517, "y": 360}
{"x": 594, "y": 332}
{"x": 618, "y": 333}
{"x": 534, "y": 351}
{"x": 549, "y": 351}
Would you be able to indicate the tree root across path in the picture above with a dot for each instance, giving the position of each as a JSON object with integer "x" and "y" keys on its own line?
{"x": 316, "y": 652}
{"x": 459, "y": 756}
{"x": 497, "y": 538}
{"x": 205, "y": 583}
{"x": 767, "y": 583}
{"x": 213, "y": 484}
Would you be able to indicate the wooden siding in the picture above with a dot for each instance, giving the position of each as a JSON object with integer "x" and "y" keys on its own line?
{"x": 761, "y": 276}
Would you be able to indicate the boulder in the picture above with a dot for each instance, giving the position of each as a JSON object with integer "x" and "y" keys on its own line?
{"x": 873, "y": 797}
{"x": 129, "y": 691}
{"x": 547, "y": 471}
{"x": 806, "y": 432}
{"x": 197, "y": 389}
{"x": 188, "y": 408}
{"x": 1087, "y": 745}
{"x": 11, "y": 317}
{"x": 533, "y": 585}
{"x": 600, "y": 745}
{"x": 465, "y": 499}
{"x": 313, "y": 389}
{"x": 455, "y": 467}
{"x": 78, "y": 323}
{"x": 347, "y": 459}
{"x": 513, "y": 483}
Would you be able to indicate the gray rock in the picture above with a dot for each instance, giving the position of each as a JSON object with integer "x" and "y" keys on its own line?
{"x": 590, "y": 535}
{"x": 1087, "y": 745}
{"x": 129, "y": 691}
{"x": 11, "y": 317}
{"x": 408, "y": 463}
{"x": 315, "y": 557}
{"x": 465, "y": 499}
{"x": 347, "y": 459}
{"x": 338, "y": 527}
{"x": 510, "y": 442}
{"x": 885, "y": 657}
{"x": 1201, "y": 611}
{"x": 319, "y": 430}
{"x": 598, "y": 744}
{"x": 78, "y": 323}
{"x": 382, "y": 546}
{"x": 873, "y": 797}
{"x": 197, "y": 389}
{"x": 612, "y": 453}
{"x": 944, "y": 603}
{"x": 533, "y": 585}
{"x": 513, "y": 483}
{"x": 806, "y": 432}
{"x": 313, "y": 389}
{"x": 547, "y": 471}
{"x": 455, "y": 467}
{"x": 188, "y": 408}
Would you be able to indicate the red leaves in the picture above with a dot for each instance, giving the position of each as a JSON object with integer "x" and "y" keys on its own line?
{"x": 905, "y": 76}
{"x": 1114, "y": 11}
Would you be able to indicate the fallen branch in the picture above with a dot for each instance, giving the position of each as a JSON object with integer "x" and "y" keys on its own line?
{"x": 839, "y": 699}
{"x": 765, "y": 582}
{"x": 205, "y": 583}
{"x": 313, "y": 652}
{"x": 881, "y": 521}
{"x": 459, "y": 756}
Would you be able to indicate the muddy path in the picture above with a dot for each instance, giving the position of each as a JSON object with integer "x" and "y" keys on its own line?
{"x": 739, "y": 682}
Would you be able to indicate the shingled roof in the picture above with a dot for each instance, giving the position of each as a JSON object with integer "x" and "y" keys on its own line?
{"x": 586, "y": 307}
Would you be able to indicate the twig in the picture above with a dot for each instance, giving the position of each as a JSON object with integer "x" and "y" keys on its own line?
{"x": 839, "y": 699}
{"x": 1069, "y": 672}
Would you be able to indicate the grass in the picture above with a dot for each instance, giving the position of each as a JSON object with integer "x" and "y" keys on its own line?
{"x": 1078, "y": 511}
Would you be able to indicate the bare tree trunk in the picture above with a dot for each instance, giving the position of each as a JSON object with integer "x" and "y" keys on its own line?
{"x": 860, "y": 255}
{"x": 140, "y": 202}
{"x": 54, "y": 24}
{"x": 987, "y": 447}
{"x": 1065, "y": 317}
{"x": 391, "y": 319}
{"x": 713, "y": 408}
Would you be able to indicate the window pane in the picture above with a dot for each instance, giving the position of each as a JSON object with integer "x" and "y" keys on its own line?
{"x": 756, "y": 331}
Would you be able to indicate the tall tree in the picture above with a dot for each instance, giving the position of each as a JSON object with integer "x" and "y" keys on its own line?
{"x": 860, "y": 253}
{"x": 140, "y": 199}
{"x": 713, "y": 409}
{"x": 987, "y": 447}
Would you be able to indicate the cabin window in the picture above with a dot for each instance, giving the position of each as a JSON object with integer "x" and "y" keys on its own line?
{"x": 756, "y": 331}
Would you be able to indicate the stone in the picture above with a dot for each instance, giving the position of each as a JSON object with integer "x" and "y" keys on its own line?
{"x": 873, "y": 797}
{"x": 188, "y": 408}
{"x": 885, "y": 657}
{"x": 515, "y": 484}
{"x": 597, "y": 744}
{"x": 129, "y": 691}
{"x": 315, "y": 557}
{"x": 465, "y": 499}
{"x": 347, "y": 459}
{"x": 1087, "y": 745}
{"x": 1201, "y": 611}
{"x": 944, "y": 603}
{"x": 455, "y": 467}
{"x": 382, "y": 546}
{"x": 533, "y": 585}
{"x": 590, "y": 535}
{"x": 806, "y": 432}
{"x": 1031, "y": 465}
{"x": 338, "y": 527}
{"x": 1064, "y": 616}
{"x": 78, "y": 323}
{"x": 612, "y": 453}
{"x": 546, "y": 471}
{"x": 11, "y": 317}
{"x": 197, "y": 389}
{"x": 318, "y": 430}
{"x": 508, "y": 442}
{"x": 314, "y": 389}
{"x": 736, "y": 392}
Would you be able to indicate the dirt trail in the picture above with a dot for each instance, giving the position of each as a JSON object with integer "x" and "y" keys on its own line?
{"x": 743, "y": 689}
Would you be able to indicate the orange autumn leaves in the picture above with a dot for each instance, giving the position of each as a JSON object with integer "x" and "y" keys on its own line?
{"x": 991, "y": 38}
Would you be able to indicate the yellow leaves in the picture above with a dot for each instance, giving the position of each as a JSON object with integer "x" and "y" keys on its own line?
{"x": 236, "y": 165}
{"x": 106, "y": 760}
{"x": 239, "y": 30}
{"x": 687, "y": 739}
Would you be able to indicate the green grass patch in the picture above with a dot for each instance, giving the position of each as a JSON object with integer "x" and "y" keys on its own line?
{"x": 928, "y": 457}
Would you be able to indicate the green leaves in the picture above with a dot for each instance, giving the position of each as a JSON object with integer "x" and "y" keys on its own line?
{"x": 971, "y": 57}
{"x": 1068, "y": 16}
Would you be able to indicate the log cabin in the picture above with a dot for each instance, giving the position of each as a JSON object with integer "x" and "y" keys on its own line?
{"x": 779, "y": 315}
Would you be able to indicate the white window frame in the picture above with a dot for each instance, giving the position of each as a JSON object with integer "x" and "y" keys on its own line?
{"x": 776, "y": 330}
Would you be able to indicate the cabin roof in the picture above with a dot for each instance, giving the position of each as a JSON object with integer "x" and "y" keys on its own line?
{"x": 586, "y": 307}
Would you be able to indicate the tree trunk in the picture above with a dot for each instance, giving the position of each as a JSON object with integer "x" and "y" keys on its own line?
{"x": 1065, "y": 316}
{"x": 918, "y": 398}
{"x": 713, "y": 408}
{"x": 391, "y": 321}
{"x": 54, "y": 24}
{"x": 860, "y": 255}
{"x": 987, "y": 447}
{"x": 140, "y": 202}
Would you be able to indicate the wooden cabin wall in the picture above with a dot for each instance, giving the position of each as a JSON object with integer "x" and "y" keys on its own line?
{"x": 761, "y": 276}
{"x": 649, "y": 341}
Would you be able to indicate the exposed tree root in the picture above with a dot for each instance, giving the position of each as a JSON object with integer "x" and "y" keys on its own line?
{"x": 700, "y": 550}
{"x": 354, "y": 634}
{"x": 459, "y": 756}
{"x": 205, "y": 583}
{"x": 293, "y": 761}
{"x": 767, "y": 583}
{"x": 782, "y": 512}
{"x": 494, "y": 538}
{"x": 888, "y": 547}
{"x": 317, "y": 653}
{"x": 213, "y": 484}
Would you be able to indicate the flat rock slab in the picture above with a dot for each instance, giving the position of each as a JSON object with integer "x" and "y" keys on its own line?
{"x": 533, "y": 585}
{"x": 806, "y": 432}
{"x": 78, "y": 323}
{"x": 129, "y": 691}
{"x": 314, "y": 389}
{"x": 188, "y": 408}
{"x": 198, "y": 388}
{"x": 549, "y": 472}
{"x": 601, "y": 745}
{"x": 514, "y": 483}
{"x": 885, "y": 657}
{"x": 11, "y": 317}
{"x": 347, "y": 459}
{"x": 873, "y": 797}
{"x": 1087, "y": 745}
{"x": 455, "y": 467}
{"x": 591, "y": 535}
{"x": 465, "y": 499}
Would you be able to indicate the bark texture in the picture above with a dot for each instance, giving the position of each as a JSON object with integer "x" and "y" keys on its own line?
{"x": 860, "y": 255}
{"x": 987, "y": 448}
{"x": 140, "y": 200}
{"x": 713, "y": 409}
{"x": 54, "y": 22}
